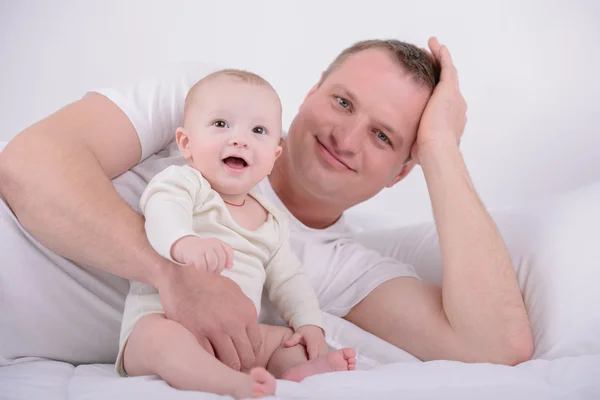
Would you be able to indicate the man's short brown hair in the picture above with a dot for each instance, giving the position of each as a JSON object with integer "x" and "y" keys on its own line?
{"x": 414, "y": 60}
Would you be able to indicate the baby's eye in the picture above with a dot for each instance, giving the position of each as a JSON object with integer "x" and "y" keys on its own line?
{"x": 220, "y": 124}
{"x": 259, "y": 130}
{"x": 343, "y": 102}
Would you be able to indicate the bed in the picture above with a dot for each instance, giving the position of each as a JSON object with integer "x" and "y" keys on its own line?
{"x": 555, "y": 248}
{"x": 565, "y": 378}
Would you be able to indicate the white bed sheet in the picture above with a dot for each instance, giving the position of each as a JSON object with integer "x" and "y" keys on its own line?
{"x": 566, "y": 378}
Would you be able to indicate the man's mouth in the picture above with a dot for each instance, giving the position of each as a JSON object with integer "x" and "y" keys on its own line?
{"x": 331, "y": 158}
{"x": 235, "y": 162}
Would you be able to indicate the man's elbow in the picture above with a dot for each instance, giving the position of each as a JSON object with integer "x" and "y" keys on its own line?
{"x": 9, "y": 166}
{"x": 515, "y": 350}
{"x": 13, "y": 170}
{"x": 522, "y": 349}
{"x": 5, "y": 169}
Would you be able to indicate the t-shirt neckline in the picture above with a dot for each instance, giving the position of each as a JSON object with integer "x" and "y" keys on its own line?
{"x": 338, "y": 226}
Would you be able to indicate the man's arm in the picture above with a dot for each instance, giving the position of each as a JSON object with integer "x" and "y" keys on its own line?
{"x": 478, "y": 315}
{"x": 56, "y": 175}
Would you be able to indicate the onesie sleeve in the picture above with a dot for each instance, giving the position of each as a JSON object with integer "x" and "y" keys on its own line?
{"x": 290, "y": 289}
{"x": 168, "y": 204}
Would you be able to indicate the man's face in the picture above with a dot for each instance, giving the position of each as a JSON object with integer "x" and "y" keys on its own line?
{"x": 354, "y": 132}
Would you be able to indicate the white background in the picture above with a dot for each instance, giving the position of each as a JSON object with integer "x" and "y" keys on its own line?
{"x": 528, "y": 69}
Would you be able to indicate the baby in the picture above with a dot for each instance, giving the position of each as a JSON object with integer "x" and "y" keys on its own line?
{"x": 204, "y": 214}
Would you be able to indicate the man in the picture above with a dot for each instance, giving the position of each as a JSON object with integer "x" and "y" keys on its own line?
{"x": 369, "y": 120}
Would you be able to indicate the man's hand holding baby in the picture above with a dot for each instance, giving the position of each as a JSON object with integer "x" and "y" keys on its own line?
{"x": 207, "y": 255}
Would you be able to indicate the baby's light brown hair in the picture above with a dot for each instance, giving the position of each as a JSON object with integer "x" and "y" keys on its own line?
{"x": 237, "y": 74}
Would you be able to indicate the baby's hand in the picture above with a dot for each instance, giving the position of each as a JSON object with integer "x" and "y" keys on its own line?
{"x": 210, "y": 255}
{"x": 312, "y": 337}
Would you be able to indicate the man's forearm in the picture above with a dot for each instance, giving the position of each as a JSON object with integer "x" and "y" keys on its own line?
{"x": 62, "y": 196}
{"x": 480, "y": 293}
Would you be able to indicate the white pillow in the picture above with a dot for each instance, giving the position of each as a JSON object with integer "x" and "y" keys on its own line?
{"x": 555, "y": 247}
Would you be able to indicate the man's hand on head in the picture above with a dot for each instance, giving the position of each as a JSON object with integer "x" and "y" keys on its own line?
{"x": 445, "y": 115}
{"x": 215, "y": 310}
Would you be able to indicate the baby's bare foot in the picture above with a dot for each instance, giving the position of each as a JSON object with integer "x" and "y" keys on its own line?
{"x": 264, "y": 382}
{"x": 340, "y": 360}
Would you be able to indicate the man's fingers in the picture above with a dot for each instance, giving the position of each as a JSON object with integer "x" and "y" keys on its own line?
{"x": 430, "y": 56}
{"x": 445, "y": 55}
{"x": 253, "y": 331}
{"x": 443, "y": 59}
{"x": 225, "y": 351}
{"x": 203, "y": 341}
{"x": 434, "y": 46}
{"x": 244, "y": 350}
{"x": 228, "y": 255}
{"x": 449, "y": 73}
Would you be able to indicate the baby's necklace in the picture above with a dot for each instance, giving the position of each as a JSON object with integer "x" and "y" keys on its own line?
{"x": 235, "y": 205}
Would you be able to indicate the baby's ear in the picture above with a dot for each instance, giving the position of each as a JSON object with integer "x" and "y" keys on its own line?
{"x": 278, "y": 151}
{"x": 183, "y": 142}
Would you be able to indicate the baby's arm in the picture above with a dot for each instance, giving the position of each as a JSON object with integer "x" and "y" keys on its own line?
{"x": 290, "y": 290}
{"x": 168, "y": 205}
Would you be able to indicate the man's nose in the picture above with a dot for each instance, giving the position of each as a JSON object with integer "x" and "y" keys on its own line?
{"x": 349, "y": 139}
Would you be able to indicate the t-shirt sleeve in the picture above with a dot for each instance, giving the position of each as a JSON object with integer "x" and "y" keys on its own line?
{"x": 290, "y": 289}
{"x": 359, "y": 271}
{"x": 168, "y": 205}
{"x": 154, "y": 105}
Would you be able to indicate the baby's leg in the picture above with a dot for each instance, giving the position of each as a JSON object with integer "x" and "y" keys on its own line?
{"x": 292, "y": 363}
{"x": 158, "y": 346}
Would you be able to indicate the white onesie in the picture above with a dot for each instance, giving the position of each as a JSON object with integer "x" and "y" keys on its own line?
{"x": 179, "y": 202}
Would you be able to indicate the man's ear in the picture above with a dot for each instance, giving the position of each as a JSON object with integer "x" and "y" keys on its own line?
{"x": 183, "y": 142}
{"x": 406, "y": 168}
{"x": 313, "y": 89}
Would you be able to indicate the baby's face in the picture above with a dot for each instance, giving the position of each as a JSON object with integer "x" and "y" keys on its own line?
{"x": 233, "y": 131}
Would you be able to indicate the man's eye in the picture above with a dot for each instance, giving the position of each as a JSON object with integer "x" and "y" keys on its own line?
{"x": 343, "y": 102}
{"x": 383, "y": 137}
{"x": 220, "y": 124}
{"x": 259, "y": 130}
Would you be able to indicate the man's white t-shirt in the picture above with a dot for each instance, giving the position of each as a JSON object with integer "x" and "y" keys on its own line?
{"x": 342, "y": 271}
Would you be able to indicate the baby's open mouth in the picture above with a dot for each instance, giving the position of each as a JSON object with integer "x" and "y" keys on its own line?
{"x": 235, "y": 162}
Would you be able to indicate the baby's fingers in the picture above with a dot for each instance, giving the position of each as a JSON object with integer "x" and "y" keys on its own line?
{"x": 294, "y": 340}
{"x": 200, "y": 263}
{"x": 312, "y": 348}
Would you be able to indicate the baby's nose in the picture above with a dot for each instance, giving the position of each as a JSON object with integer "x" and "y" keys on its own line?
{"x": 238, "y": 142}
